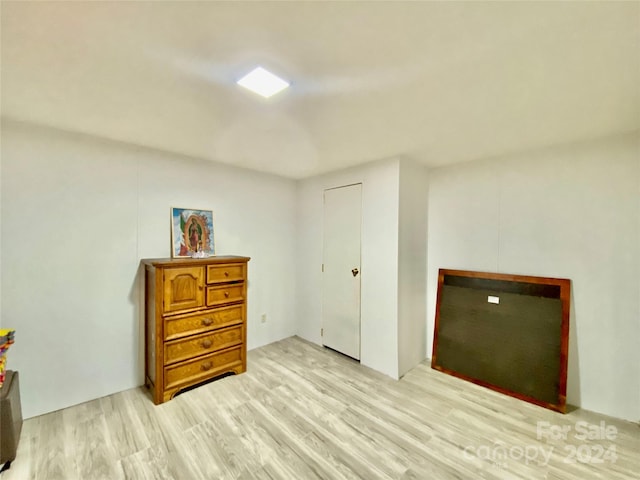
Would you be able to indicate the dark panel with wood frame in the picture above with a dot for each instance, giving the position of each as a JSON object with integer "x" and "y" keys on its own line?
{"x": 518, "y": 346}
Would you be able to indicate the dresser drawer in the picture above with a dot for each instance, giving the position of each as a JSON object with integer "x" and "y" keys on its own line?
{"x": 179, "y": 350}
{"x": 225, "y": 273}
{"x": 221, "y": 294}
{"x": 202, "y": 367}
{"x": 183, "y": 325}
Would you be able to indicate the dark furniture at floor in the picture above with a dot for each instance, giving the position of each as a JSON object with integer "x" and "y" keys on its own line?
{"x": 10, "y": 417}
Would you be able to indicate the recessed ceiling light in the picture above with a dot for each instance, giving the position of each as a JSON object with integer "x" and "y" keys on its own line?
{"x": 263, "y": 82}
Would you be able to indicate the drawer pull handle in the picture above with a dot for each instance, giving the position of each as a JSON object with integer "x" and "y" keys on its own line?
{"x": 206, "y": 366}
{"x": 206, "y": 322}
{"x": 226, "y": 274}
{"x": 226, "y": 294}
{"x": 206, "y": 343}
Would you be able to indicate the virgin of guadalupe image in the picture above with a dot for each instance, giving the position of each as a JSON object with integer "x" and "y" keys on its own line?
{"x": 195, "y": 235}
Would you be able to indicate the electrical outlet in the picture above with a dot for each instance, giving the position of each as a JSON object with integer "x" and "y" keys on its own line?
{"x": 263, "y": 318}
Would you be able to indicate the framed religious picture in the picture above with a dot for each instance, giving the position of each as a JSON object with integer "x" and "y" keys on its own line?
{"x": 191, "y": 233}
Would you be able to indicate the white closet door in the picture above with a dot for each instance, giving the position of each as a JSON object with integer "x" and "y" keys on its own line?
{"x": 341, "y": 269}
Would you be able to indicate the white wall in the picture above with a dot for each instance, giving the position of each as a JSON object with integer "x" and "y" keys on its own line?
{"x": 78, "y": 214}
{"x": 379, "y": 281}
{"x": 571, "y": 212}
{"x": 412, "y": 265}
{"x": 1, "y": 231}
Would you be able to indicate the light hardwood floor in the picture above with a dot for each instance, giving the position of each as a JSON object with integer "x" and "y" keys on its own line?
{"x": 302, "y": 412}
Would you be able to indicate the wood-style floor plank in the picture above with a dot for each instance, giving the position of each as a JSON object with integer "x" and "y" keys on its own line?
{"x": 304, "y": 412}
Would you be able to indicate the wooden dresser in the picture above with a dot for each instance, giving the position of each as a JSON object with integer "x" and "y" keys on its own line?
{"x": 196, "y": 321}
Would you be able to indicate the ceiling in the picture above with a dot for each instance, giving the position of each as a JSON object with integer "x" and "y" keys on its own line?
{"x": 440, "y": 82}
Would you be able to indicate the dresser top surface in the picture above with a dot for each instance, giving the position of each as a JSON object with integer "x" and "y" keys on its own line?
{"x": 172, "y": 262}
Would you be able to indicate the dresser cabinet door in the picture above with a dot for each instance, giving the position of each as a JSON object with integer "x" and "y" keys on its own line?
{"x": 183, "y": 288}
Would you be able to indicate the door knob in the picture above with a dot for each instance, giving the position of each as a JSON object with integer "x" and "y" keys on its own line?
{"x": 355, "y": 272}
